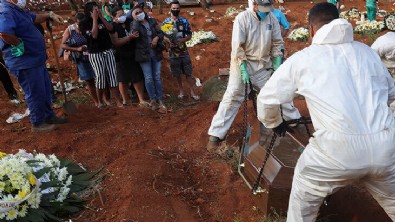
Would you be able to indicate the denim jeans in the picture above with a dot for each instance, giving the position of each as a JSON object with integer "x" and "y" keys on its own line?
{"x": 153, "y": 83}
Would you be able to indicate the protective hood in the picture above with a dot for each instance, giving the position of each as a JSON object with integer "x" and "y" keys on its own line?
{"x": 338, "y": 31}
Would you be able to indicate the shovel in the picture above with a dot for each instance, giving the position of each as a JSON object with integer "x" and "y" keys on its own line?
{"x": 68, "y": 106}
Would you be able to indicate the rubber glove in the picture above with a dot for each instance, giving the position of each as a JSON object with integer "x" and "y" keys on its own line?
{"x": 276, "y": 62}
{"x": 245, "y": 77}
{"x": 18, "y": 50}
{"x": 55, "y": 17}
{"x": 281, "y": 129}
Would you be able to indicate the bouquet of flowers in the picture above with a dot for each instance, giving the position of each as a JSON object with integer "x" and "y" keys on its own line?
{"x": 19, "y": 189}
{"x": 369, "y": 27}
{"x": 201, "y": 37}
{"x": 232, "y": 11}
{"x": 300, "y": 34}
{"x": 171, "y": 32}
{"x": 352, "y": 13}
{"x": 36, "y": 187}
{"x": 389, "y": 21}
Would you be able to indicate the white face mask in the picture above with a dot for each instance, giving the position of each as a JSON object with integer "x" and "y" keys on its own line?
{"x": 140, "y": 17}
{"x": 21, "y": 3}
{"x": 122, "y": 19}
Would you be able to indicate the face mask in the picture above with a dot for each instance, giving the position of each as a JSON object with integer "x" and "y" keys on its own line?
{"x": 175, "y": 12}
{"x": 262, "y": 15}
{"x": 122, "y": 19}
{"x": 140, "y": 17}
{"x": 21, "y": 3}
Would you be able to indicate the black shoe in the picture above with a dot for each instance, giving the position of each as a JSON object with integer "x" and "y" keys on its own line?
{"x": 43, "y": 128}
{"x": 56, "y": 120}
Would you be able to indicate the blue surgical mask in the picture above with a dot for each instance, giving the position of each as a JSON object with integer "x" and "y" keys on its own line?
{"x": 262, "y": 15}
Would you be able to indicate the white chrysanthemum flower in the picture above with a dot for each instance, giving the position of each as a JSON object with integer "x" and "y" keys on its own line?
{"x": 12, "y": 214}
{"x": 23, "y": 211}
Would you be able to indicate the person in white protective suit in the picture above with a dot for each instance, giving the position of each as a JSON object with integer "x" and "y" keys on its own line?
{"x": 346, "y": 88}
{"x": 385, "y": 47}
{"x": 256, "y": 51}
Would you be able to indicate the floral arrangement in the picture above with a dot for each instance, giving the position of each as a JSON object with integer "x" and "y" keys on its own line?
{"x": 381, "y": 13}
{"x": 201, "y": 37}
{"x": 18, "y": 188}
{"x": 168, "y": 29}
{"x": 300, "y": 34}
{"x": 389, "y": 22}
{"x": 36, "y": 187}
{"x": 232, "y": 11}
{"x": 369, "y": 26}
{"x": 352, "y": 13}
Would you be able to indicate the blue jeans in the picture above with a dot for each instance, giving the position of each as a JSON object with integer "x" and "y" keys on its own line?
{"x": 153, "y": 83}
{"x": 37, "y": 86}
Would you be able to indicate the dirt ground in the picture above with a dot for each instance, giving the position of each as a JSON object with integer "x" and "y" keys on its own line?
{"x": 157, "y": 165}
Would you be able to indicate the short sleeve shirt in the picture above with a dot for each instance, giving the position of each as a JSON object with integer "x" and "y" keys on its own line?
{"x": 20, "y": 22}
{"x": 281, "y": 19}
{"x": 103, "y": 40}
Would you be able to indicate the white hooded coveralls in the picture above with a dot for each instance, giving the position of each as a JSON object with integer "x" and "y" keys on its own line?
{"x": 255, "y": 42}
{"x": 385, "y": 47}
{"x": 346, "y": 88}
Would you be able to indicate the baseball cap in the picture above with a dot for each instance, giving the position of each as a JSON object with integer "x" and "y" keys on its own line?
{"x": 265, "y": 5}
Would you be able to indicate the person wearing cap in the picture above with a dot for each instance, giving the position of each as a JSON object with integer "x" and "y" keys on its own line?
{"x": 347, "y": 90}
{"x": 256, "y": 51}
{"x": 25, "y": 56}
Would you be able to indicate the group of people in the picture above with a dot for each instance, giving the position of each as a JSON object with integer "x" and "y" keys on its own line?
{"x": 347, "y": 89}
{"x": 119, "y": 45}
{"x": 113, "y": 52}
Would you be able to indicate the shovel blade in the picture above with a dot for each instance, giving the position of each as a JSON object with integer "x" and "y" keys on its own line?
{"x": 69, "y": 108}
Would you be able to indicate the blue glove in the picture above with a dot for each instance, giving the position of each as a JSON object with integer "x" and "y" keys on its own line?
{"x": 18, "y": 50}
{"x": 245, "y": 77}
{"x": 276, "y": 62}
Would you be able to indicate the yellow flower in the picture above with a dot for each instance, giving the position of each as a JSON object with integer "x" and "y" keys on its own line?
{"x": 32, "y": 179}
{"x": 21, "y": 194}
{"x": 167, "y": 27}
{"x": 2, "y": 155}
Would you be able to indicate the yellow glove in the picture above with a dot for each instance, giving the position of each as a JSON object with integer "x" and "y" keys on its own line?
{"x": 55, "y": 17}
